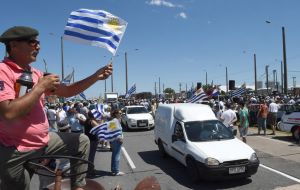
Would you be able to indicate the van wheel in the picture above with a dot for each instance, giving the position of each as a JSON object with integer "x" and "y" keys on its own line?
{"x": 161, "y": 149}
{"x": 296, "y": 132}
{"x": 192, "y": 169}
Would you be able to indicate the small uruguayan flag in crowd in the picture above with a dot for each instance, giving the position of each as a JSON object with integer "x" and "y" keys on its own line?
{"x": 216, "y": 91}
{"x": 67, "y": 79}
{"x": 238, "y": 92}
{"x": 109, "y": 131}
{"x": 98, "y": 112}
{"x": 198, "y": 96}
{"x": 82, "y": 95}
{"x": 96, "y": 28}
{"x": 131, "y": 91}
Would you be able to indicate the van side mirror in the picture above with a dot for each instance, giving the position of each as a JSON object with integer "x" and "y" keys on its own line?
{"x": 234, "y": 132}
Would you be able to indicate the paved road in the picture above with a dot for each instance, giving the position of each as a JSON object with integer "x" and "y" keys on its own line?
{"x": 279, "y": 157}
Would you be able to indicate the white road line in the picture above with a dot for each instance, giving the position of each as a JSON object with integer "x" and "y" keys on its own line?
{"x": 281, "y": 173}
{"x": 130, "y": 162}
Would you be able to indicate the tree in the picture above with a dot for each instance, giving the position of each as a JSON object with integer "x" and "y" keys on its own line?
{"x": 169, "y": 91}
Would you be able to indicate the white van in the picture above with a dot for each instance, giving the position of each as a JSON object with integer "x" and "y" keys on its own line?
{"x": 290, "y": 122}
{"x": 191, "y": 134}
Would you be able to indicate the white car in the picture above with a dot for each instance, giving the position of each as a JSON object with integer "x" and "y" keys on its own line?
{"x": 290, "y": 122}
{"x": 196, "y": 138}
{"x": 137, "y": 117}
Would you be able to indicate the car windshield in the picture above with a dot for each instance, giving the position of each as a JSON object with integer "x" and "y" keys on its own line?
{"x": 210, "y": 130}
{"x": 137, "y": 110}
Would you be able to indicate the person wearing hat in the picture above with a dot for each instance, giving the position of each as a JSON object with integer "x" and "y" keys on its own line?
{"x": 24, "y": 127}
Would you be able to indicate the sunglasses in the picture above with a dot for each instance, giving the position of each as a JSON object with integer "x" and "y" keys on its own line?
{"x": 33, "y": 43}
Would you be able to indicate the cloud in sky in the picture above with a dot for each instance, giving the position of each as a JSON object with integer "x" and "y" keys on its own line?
{"x": 163, "y": 3}
{"x": 182, "y": 15}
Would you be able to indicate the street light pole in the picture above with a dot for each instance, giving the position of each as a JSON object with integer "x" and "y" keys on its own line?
{"x": 284, "y": 62}
{"x": 267, "y": 79}
{"x": 206, "y": 78}
{"x": 255, "y": 76}
{"x": 62, "y": 58}
{"x": 126, "y": 73}
{"x": 226, "y": 81}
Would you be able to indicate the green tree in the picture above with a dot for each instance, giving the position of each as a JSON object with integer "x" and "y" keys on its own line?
{"x": 169, "y": 91}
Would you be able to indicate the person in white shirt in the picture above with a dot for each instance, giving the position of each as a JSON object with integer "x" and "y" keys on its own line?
{"x": 273, "y": 109}
{"x": 228, "y": 117}
{"x": 51, "y": 114}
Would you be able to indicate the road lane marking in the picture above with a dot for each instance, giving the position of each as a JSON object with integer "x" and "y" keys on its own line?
{"x": 280, "y": 173}
{"x": 130, "y": 162}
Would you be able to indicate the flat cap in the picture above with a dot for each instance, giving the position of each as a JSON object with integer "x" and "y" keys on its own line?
{"x": 18, "y": 32}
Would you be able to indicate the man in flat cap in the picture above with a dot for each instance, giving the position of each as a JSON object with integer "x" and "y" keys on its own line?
{"x": 23, "y": 124}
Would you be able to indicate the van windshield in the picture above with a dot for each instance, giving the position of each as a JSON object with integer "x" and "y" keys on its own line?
{"x": 210, "y": 130}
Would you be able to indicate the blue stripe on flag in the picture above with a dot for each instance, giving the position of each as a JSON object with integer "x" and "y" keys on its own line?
{"x": 92, "y": 12}
{"x": 90, "y": 38}
{"x": 86, "y": 19}
{"x": 96, "y": 30}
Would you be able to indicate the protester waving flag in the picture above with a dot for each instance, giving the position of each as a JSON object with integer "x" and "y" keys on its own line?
{"x": 238, "y": 92}
{"x": 96, "y": 28}
{"x": 198, "y": 96}
{"x": 131, "y": 91}
{"x": 109, "y": 131}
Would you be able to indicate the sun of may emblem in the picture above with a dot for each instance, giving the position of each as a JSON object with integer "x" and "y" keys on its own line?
{"x": 114, "y": 23}
{"x": 112, "y": 126}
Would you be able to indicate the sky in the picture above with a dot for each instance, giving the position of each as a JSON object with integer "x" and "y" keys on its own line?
{"x": 175, "y": 42}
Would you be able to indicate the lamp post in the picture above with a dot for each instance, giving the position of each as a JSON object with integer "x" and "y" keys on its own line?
{"x": 255, "y": 75}
{"x": 62, "y": 55}
{"x": 284, "y": 62}
{"x": 126, "y": 71}
{"x": 267, "y": 79}
{"x": 285, "y": 81}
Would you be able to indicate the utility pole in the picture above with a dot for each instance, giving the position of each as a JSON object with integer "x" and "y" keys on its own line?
{"x": 226, "y": 81}
{"x": 159, "y": 85}
{"x": 126, "y": 73}
{"x": 155, "y": 92}
{"x": 255, "y": 75}
{"x": 62, "y": 58}
{"x": 284, "y": 62}
{"x": 267, "y": 79}
{"x": 206, "y": 78}
{"x": 281, "y": 77}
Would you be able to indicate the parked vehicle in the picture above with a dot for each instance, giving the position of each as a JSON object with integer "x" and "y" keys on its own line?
{"x": 136, "y": 117}
{"x": 196, "y": 138}
{"x": 290, "y": 122}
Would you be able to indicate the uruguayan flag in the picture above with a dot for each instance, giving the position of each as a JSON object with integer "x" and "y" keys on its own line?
{"x": 98, "y": 112}
{"x": 96, "y": 28}
{"x": 131, "y": 91}
{"x": 198, "y": 96}
{"x": 82, "y": 95}
{"x": 109, "y": 131}
{"x": 238, "y": 92}
{"x": 67, "y": 79}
